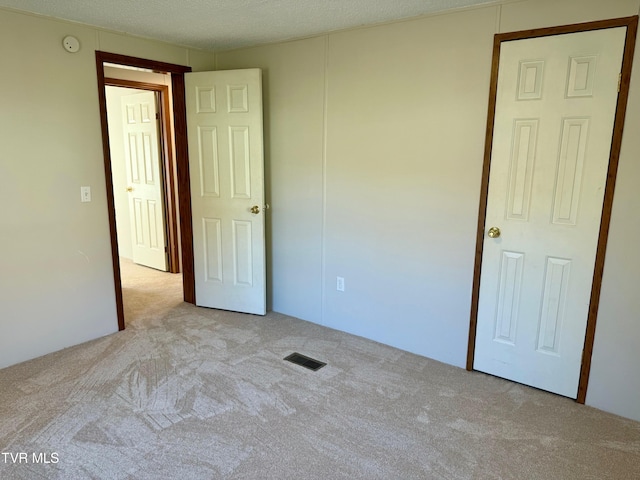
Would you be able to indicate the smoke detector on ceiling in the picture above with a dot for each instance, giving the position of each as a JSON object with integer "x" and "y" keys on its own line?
{"x": 71, "y": 44}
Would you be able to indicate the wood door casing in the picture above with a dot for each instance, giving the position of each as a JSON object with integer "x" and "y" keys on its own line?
{"x": 182, "y": 168}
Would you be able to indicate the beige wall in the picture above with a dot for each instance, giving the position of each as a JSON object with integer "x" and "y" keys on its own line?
{"x": 56, "y": 281}
{"x": 376, "y": 140}
{"x": 374, "y": 150}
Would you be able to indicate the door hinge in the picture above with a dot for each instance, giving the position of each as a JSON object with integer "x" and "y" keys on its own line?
{"x": 619, "y": 81}
{"x": 157, "y": 116}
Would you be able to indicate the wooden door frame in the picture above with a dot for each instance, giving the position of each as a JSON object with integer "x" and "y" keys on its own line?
{"x": 167, "y": 170}
{"x": 182, "y": 168}
{"x": 632, "y": 26}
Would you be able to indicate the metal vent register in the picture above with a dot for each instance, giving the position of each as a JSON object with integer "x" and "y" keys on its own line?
{"x": 304, "y": 361}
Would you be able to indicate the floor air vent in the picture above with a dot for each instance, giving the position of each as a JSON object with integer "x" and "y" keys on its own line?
{"x": 304, "y": 361}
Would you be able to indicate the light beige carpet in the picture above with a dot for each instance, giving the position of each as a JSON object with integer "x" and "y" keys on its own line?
{"x": 191, "y": 393}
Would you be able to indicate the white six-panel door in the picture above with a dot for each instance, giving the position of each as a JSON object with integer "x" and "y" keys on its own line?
{"x": 145, "y": 184}
{"x": 224, "y": 127}
{"x": 553, "y": 127}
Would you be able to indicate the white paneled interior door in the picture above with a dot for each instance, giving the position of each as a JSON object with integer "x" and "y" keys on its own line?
{"x": 553, "y": 126}
{"x": 224, "y": 127}
{"x": 144, "y": 176}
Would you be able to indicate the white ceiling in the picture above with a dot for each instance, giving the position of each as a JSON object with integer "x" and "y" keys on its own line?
{"x": 227, "y": 24}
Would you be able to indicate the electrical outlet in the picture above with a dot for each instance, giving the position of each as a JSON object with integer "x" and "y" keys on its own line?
{"x": 340, "y": 284}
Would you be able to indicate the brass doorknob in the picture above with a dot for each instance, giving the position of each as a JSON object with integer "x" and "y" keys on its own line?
{"x": 494, "y": 232}
{"x": 255, "y": 209}
{"x": 129, "y": 189}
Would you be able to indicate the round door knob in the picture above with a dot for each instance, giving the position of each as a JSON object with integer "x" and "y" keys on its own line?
{"x": 129, "y": 189}
{"x": 255, "y": 209}
{"x": 494, "y": 232}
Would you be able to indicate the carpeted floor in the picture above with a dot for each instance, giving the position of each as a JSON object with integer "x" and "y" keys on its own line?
{"x": 190, "y": 393}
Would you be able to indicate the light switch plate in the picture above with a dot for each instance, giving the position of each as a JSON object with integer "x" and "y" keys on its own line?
{"x": 85, "y": 194}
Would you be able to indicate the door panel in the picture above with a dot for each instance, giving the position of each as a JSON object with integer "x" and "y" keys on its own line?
{"x": 224, "y": 125}
{"x": 142, "y": 154}
{"x": 555, "y": 109}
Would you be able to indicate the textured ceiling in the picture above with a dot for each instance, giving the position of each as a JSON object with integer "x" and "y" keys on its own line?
{"x": 227, "y": 24}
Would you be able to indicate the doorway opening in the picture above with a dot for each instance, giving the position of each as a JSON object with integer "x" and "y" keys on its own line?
{"x": 139, "y": 121}
{"x": 143, "y": 171}
{"x": 176, "y": 196}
